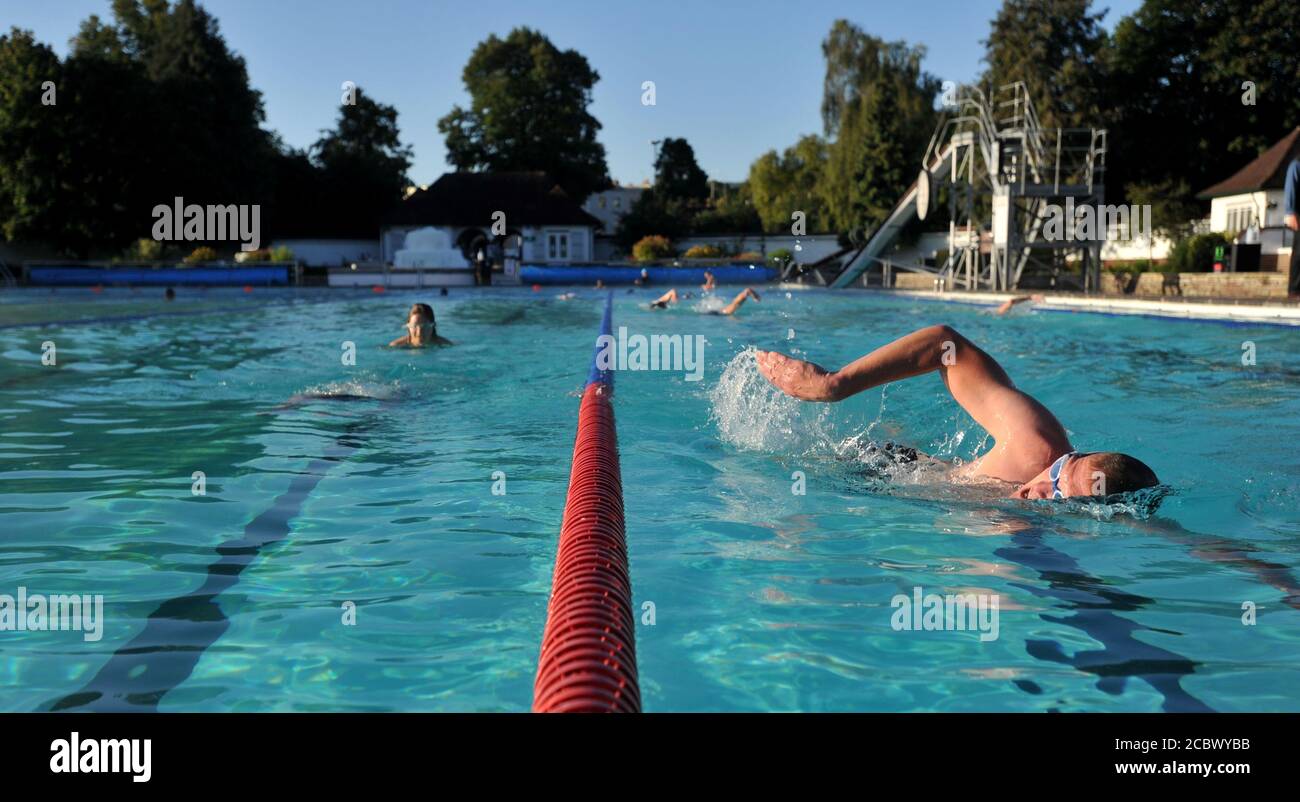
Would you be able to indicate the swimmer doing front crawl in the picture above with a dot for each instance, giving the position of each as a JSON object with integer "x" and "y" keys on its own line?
{"x": 1031, "y": 448}
{"x": 672, "y": 297}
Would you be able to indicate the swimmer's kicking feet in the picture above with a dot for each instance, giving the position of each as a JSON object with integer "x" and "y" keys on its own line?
{"x": 1032, "y": 450}
{"x": 421, "y": 329}
{"x": 672, "y": 297}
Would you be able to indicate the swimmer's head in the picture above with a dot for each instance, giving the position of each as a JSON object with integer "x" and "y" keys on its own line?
{"x": 1099, "y": 474}
{"x": 421, "y": 325}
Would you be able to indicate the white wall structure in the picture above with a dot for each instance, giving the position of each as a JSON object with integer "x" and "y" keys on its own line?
{"x": 318, "y": 252}
{"x": 429, "y": 247}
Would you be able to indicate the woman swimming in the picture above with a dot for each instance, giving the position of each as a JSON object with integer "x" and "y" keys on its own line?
{"x": 421, "y": 329}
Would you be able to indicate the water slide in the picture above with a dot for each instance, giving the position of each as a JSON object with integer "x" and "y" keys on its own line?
{"x": 939, "y": 170}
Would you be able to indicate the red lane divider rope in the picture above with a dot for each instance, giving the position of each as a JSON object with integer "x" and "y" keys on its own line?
{"x": 588, "y": 659}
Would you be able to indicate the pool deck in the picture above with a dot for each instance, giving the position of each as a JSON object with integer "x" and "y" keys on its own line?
{"x": 1278, "y": 313}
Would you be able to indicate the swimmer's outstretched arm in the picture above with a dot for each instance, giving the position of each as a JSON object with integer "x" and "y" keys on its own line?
{"x": 974, "y": 378}
{"x": 748, "y": 292}
{"x": 1020, "y": 299}
{"x": 404, "y": 340}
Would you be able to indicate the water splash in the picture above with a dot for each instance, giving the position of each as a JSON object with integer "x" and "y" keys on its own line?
{"x": 354, "y": 389}
{"x": 708, "y": 303}
{"x": 1139, "y": 504}
{"x": 752, "y": 415}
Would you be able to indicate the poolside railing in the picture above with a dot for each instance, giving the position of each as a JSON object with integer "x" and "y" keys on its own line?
{"x": 588, "y": 655}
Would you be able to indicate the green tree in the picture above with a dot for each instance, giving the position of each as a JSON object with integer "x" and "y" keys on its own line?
{"x": 678, "y": 201}
{"x": 878, "y": 112}
{"x": 31, "y": 143}
{"x": 731, "y": 211}
{"x": 528, "y": 111}
{"x": 363, "y": 164}
{"x": 655, "y": 215}
{"x": 1180, "y": 110}
{"x": 113, "y": 175}
{"x": 677, "y": 175}
{"x": 788, "y": 183}
{"x": 880, "y": 174}
{"x": 1058, "y": 48}
{"x": 215, "y": 149}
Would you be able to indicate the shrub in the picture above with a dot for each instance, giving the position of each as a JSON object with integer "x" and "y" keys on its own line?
{"x": 282, "y": 254}
{"x": 145, "y": 250}
{"x": 259, "y": 255}
{"x": 1195, "y": 254}
{"x": 201, "y": 254}
{"x": 652, "y": 247}
{"x": 703, "y": 252}
{"x": 748, "y": 256}
{"x": 781, "y": 255}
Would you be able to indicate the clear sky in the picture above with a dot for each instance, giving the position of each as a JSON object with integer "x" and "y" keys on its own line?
{"x": 734, "y": 78}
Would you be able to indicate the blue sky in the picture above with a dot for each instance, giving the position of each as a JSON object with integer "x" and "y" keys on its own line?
{"x": 734, "y": 78}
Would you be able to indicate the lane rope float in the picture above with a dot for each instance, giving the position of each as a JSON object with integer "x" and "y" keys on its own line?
{"x": 588, "y": 655}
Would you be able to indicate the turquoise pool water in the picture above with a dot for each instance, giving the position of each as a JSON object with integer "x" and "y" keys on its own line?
{"x": 381, "y": 495}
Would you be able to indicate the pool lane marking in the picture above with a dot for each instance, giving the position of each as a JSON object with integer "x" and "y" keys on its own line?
{"x": 164, "y": 654}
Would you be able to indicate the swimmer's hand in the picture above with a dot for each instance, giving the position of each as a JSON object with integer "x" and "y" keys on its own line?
{"x": 797, "y": 378}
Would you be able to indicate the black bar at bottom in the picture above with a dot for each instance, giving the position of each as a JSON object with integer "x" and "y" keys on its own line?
{"x": 249, "y": 752}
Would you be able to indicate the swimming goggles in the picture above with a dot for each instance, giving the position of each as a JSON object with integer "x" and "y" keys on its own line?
{"x": 1054, "y": 473}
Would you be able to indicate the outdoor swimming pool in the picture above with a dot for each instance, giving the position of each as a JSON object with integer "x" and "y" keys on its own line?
{"x": 763, "y": 599}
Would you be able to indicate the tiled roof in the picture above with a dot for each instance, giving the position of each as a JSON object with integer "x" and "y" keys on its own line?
{"x": 1268, "y": 171}
{"x": 470, "y": 199}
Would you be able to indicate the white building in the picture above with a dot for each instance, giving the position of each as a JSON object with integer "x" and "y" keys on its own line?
{"x": 509, "y": 218}
{"x": 1251, "y": 204}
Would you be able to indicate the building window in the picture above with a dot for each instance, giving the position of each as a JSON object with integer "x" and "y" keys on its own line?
{"x": 557, "y": 246}
{"x": 618, "y": 203}
{"x": 602, "y": 202}
{"x": 1240, "y": 217}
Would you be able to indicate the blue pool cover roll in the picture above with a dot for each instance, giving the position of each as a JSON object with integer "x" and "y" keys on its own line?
{"x": 261, "y": 276}
{"x": 755, "y": 273}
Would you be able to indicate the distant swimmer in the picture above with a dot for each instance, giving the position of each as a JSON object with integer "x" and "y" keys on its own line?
{"x": 1013, "y": 302}
{"x": 1032, "y": 451}
{"x": 421, "y": 329}
{"x": 600, "y": 285}
{"x": 709, "y": 283}
{"x": 672, "y": 297}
